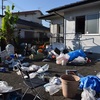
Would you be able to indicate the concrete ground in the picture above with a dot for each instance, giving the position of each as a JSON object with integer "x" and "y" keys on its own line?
{"x": 16, "y": 81}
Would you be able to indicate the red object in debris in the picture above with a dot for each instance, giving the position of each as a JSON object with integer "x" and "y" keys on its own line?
{"x": 88, "y": 61}
{"x": 40, "y": 50}
{"x": 53, "y": 56}
{"x": 41, "y": 47}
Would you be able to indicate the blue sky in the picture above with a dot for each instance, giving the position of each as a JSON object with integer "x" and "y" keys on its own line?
{"x": 43, "y": 5}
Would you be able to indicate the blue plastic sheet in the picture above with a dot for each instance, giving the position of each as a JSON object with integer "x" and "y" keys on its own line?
{"x": 90, "y": 81}
{"x": 75, "y": 54}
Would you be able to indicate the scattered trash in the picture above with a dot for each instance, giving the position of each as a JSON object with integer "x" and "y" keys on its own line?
{"x": 53, "y": 86}
{"x": 2, "y": 69}
{"x": 88, "y": 94}
{"x": 43, "y": 68}
{"x": 10, "y": 49}
{"x": 75, "y": 54}
{"x": 73, "y": 72}
{"x": 30, "y": 68}
{"x": 55, "y": 80}
{"x": 98, "y": 75}
{"x": 79, "y": 59}
{"x": 4, "y": 87}
{"x": 90, "y": 81}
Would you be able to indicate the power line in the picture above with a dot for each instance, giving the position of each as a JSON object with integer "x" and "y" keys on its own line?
{"x": 9, "y": 1}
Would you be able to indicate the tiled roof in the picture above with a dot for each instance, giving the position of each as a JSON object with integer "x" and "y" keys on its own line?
{"x": 32, "y": 24}
{"x": 52, "y": 11}
{"x": 28, "y": 12}
{"x": 82, "y": 2}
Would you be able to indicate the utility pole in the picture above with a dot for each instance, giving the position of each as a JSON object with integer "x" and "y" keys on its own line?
{"x": 2, "y": 7}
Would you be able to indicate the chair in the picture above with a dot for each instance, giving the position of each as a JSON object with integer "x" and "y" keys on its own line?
{"x": 12, "y": 94}
{"x": 31, "y": 84}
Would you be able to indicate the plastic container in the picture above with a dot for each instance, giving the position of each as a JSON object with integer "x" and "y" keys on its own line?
{"x": 69, "y": 85}
{"x": 2, "y": 69}
{"x": 74, "y": 72}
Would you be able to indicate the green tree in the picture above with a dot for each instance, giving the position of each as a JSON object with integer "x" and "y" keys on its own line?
{"x": 8, "y": 25}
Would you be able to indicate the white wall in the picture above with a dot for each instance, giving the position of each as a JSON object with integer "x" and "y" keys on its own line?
{"x": 32, "y": 17}
{"x": 54, "y": 22}
{"x": 87, "y": 42}
{"x": 90, "y": 42}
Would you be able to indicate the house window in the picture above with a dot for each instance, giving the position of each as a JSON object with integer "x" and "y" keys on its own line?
{"x": 80, "y": 25}
{"x": 29, "y": 34}
{"x": 25, "y": 15}
{"x": 92, "y": 24}
{"x": 59, "y": 28}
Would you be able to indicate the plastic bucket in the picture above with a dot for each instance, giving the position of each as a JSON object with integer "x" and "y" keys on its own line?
{"x": 69, "y": 85}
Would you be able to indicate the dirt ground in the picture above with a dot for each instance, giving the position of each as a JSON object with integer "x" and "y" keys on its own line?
{"x": 16, "y": 81}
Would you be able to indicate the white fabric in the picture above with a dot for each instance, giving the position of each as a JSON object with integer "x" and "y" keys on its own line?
{"x": 40, "y": 70}
{"x": 43, "y": 68}
{"x": 62, "y": 59}
{"x": 53, "y": 86}
{"x": 79, "y": 60}
{"x": 88, "y": 94}
{"x": 4, "y": 87}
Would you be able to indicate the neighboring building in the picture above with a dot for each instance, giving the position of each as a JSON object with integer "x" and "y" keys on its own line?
{"x": 77, "y": 25}
{"x": 30, "y": 28}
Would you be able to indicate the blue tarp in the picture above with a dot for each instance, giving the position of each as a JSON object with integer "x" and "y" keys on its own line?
{"x": 76, "y": 53}
{"x": 90, "y": 81}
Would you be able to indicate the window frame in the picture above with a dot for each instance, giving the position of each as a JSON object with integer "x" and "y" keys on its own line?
{"x": 86, "y": 23}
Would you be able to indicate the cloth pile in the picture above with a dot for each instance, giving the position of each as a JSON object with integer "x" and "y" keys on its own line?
{"x": 53, "y": 86}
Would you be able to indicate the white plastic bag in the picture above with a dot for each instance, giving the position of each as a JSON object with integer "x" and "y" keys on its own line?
{"x": 62, "y": 59}
{"x": 10, "y": 49}
{"x": 34, "y": 68}
{"x": 43, "y": 69}
{"x": 79, "y": 60}
{"x": 59, "y": 58}
{"x": 54, "y": 89}
{"x": 55, "y": 80}
{"x": 4, "y": 87}
{"x": 98, "y": 75}
{"x": 88, "y": 94}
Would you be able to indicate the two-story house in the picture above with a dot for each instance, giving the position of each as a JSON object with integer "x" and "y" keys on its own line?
{"x": 30, "y": 28}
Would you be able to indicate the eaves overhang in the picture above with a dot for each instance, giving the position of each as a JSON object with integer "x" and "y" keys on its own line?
{"x": 72, "y": 5}
{"x": 48, "y": 16}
